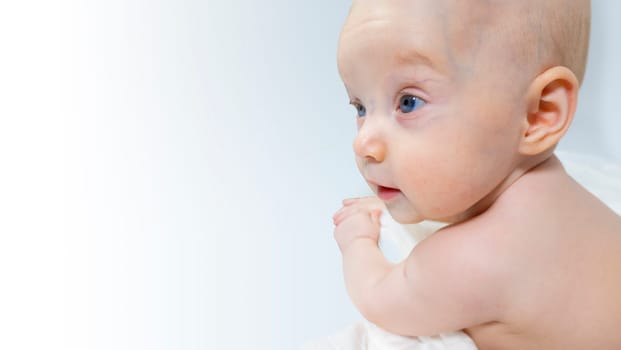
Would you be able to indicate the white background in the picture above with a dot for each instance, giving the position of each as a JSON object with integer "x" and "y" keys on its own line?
{"x": 168, "y": 170}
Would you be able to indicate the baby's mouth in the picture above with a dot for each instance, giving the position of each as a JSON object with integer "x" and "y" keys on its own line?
{"x": 387, "y": 193}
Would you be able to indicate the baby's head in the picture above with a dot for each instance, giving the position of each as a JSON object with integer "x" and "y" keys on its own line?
{"x": 457, "y": 99}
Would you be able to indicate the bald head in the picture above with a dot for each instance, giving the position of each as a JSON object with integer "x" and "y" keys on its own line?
{"x": 548, "y": 33}
{"x": 528, "y": 35}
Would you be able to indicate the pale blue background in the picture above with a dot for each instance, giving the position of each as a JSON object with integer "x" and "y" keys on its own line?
{"x": 170, "y": 168}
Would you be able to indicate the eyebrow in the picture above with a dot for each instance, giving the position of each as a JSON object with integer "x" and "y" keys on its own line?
{"x": 415, "y": 57}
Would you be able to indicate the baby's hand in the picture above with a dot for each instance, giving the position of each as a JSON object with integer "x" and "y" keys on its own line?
{"x": 358, "y": 218}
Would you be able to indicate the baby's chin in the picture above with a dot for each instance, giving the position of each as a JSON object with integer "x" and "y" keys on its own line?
{"x": 404, "y": 216}
{"x": 409, "y": 216}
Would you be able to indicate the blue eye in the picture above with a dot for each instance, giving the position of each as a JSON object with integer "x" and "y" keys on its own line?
{"x": 409, "y": 103}
{"x": 360, "y": 110}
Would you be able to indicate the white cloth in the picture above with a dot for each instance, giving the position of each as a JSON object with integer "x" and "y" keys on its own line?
{"x": 601, "y": 177}
{"x": 364, "y": 335}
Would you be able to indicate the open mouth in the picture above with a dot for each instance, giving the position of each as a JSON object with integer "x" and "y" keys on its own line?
{"x": 387, "y": 193}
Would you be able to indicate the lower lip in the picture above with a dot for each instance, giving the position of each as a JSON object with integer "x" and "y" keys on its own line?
{"x": 386, "y": 194}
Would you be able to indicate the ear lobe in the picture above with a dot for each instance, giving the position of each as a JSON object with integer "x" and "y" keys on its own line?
{"x": 552, "y": 99}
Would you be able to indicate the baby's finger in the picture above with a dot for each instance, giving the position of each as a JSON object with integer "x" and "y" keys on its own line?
{"x": 336, "y": 218}
{"x": 372, "y": 202}
{"x": 342, "y": 214}
{"x": 349, "y": 201}
{"x": 376, "y": 216}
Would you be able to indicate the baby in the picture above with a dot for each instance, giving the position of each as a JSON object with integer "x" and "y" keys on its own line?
{"x": 460, "y": 105}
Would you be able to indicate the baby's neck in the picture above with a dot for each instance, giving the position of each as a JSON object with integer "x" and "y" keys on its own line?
{"x": 526, "y": 166}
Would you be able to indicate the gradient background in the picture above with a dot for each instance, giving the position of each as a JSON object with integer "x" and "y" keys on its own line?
{"x": 168, "y": 170}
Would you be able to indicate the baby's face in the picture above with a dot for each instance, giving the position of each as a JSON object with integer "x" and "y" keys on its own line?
{"x": 438, "y": 123}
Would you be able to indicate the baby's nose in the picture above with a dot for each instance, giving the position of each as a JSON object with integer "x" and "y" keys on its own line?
{"x": 368, "y": 144}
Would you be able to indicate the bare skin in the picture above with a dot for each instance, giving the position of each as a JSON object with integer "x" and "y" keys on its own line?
{"x": 455, "y": 133}
{"x": 520, "y": 276}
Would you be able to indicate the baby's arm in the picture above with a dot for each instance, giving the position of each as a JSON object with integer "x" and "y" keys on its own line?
{"x": 446, "y": 283}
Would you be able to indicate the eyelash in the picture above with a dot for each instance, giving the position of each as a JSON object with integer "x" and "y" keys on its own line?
{"x": 361, "y": 110}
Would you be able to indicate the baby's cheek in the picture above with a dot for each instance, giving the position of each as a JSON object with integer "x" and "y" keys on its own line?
{"x": 442, "y": 189}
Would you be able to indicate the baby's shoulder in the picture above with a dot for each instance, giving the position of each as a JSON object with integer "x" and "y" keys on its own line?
{"x": 475, "y": 249}
{"x": 559, "y": 245}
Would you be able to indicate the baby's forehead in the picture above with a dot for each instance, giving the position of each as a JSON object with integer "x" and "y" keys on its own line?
{"x": 457, "y": 23}
{"x": 447, "y": 31}
{"x": 444, "y": 11}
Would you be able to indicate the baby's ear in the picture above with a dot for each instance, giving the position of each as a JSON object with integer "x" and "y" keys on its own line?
{"x": 552, "y": 99}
